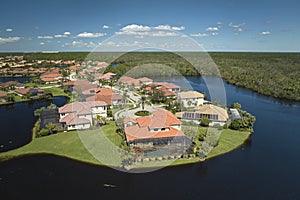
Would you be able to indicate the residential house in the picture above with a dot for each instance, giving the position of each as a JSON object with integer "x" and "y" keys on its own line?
{"x": 79, "y": 85}
{"x": 2, "y": 95}
{"x": 136, "y": 82}
{"x": 162, "y": 128}
{"x": 80, "y": 115}
{"x": 12, "y": 85}
{"x": 32, "y": 91}
{"x": 190, "y": 98}
{"x": 107, "y": 95}
{"x": 214, "y": 113}
{"x": 51, "y": 77}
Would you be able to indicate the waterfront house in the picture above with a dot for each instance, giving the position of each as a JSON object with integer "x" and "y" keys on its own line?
{"x": 32, "y": 91}
{"x": 162, "y": 128}
{"x": 190, "y": 98}
{"x": 2, "y": 95}
{"x": 214, "y": 113}
{"x": 12, "y": 85}
{"x": 81, "y": 115}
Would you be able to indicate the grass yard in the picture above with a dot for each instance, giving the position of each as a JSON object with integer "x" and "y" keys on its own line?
{"x": 100, "y": 146}
{"x": 66, "y": 144}
{"x": 56, "y": 91}
{"x": 229, "y": 140}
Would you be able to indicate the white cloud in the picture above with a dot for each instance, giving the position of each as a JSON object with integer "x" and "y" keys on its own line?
{"x": 67, "y": 33}
{"x": 265, "y": 33}
{"x": 135, "y": 27}
{"x": 215, "y": 33}
{"x": 9, "y": 39}
{"x": 175, "y": 28}
{"x": 45, "y": 37}
{"x": 219, "y": 23}
{"x": 140, "y": 31}
{"x": 199, "y": 35}
{"x": 106, "y": 27}
{"x": 80, "y": 44}
{"x": 9, "y": 30}
{"x": 42, "y": 43}
{"x": 60, "y": 36}
{"x": 236, "y": 25}
{"x": 212, "y": 29}
{"x": 90, "y": 35}
{"x": 169, "y": 28}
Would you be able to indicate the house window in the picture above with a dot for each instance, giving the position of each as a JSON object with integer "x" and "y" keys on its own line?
{"x": 156, "y": 129}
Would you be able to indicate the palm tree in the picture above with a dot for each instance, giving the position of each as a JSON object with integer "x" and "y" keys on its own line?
{"x": 51, "y": 127}
{"x": 100, "y": 120}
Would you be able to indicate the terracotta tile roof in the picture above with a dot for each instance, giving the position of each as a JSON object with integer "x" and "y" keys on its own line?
{"x": 102, "y": 94}
{"x": 2, "y": 94}
{"x": 190, "y": 95}
{"x": 145, "y": 79}
{"x": 74, "y": 68}
{"x": 160, "y": 119}
{"x": 9, "y": 83}
{"x": 166, "y": 84}
{"x": 129, "y": 81}
{"x": 77, "y": 107}
{"x": 72, "y": 119}
{"x": 51, "y": 76}
{"x": 24, "y": 91}
{"x": 136, "y": 133}
{"x": 80, "y": 85}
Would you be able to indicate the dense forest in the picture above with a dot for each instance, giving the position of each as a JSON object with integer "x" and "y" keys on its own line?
{"x": 273, "y": 74}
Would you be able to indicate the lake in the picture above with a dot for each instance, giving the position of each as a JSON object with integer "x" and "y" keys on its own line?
{"x": 266, "y": 167}
{"x": 17, "y": 121}
{"x": 22, "y": 79}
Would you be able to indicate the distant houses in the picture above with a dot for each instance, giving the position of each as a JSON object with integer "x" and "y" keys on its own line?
{"x": 162, "y": 128}
{"x": 31, "y": 91}
{"x": 12, "y": 85}
{"x": 81, "y": 115}
{"x": 51, "y": 77}
{"x": 136, "y": 82}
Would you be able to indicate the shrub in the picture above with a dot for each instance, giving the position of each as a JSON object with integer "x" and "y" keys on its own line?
{"x": 142, "y": 113}
{"x": 204, "y": 121}
{"x": 44, "y": 132}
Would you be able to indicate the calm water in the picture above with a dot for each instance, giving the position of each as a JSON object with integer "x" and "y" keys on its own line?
{"x": 18, "y": 79}
{"x": 17, "y": 121}
{"x": 267, "y": 167}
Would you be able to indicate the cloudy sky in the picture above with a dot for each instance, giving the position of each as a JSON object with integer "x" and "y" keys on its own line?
{"x": 216, "y": 25}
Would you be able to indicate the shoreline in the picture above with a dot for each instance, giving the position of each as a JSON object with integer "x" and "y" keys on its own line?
{"x": 84, "y": 156}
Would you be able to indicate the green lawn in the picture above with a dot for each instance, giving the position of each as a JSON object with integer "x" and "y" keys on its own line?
{"x": 229, "y": 140}
{"x": 56, "y": 91}
{"x": 100, "y": 146}
{"x": 67, "y": 144}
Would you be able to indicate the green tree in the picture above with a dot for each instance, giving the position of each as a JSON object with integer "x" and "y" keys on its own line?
{"x": 236, "y": 106}
{"x": 51, "y": 127}
{"x": 204, "y": 121}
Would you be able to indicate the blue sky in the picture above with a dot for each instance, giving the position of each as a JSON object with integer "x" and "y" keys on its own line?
{"x": 218, "y": 25}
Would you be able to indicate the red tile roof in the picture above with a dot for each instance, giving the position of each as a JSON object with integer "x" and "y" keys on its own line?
{"x": 9, "y": 83}
{"x": 2, "y": 94}
{"x": 72, "y": 119}
{"x": 160, "y": 119}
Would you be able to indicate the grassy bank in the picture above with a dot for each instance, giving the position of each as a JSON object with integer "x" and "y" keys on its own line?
{"x": 102, "y": 144}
